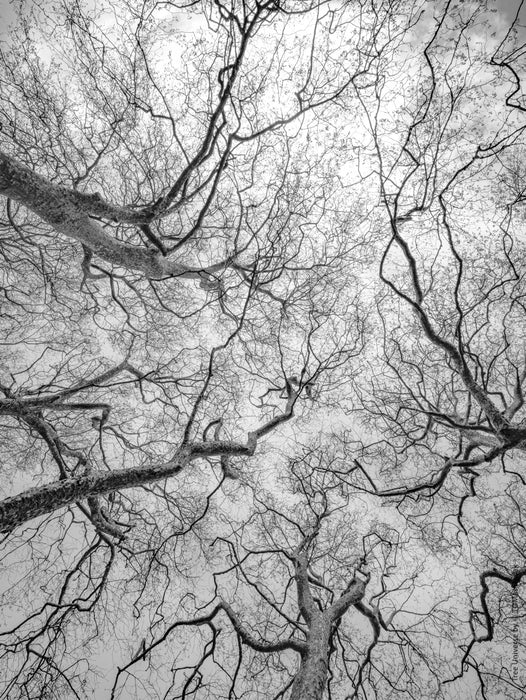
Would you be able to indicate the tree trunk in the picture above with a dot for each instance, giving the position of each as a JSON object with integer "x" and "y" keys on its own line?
{"x": 311, "y": 678}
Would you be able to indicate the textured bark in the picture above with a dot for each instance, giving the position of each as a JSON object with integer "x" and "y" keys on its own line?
{"x": 70, "y": 213}
{"x": 257, "y": 644}
{"x": 19, "y": 509}
{"x": 311, "y": 678}
{"x": 29, "y": 504}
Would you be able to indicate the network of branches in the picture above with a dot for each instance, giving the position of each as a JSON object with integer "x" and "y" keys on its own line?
{"x": 262, "y": 291}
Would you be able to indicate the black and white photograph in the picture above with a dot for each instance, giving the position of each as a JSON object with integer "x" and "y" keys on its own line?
{"x": 262, "y": 349}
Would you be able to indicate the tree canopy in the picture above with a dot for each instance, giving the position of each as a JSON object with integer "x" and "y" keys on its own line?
{"x": 262, "y": 282}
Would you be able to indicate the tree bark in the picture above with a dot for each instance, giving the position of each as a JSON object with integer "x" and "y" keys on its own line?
{"x": 71, "y": 213}
{"x": 16, "y": 510}
{"x": 311, "y": 678}
{"x": 29, "y": 504}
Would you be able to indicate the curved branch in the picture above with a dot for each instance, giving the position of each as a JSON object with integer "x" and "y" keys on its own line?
{"x": 257, "y": 645}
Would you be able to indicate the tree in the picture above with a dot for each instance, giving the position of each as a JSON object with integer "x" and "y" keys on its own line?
{"x": 262, "y": 388}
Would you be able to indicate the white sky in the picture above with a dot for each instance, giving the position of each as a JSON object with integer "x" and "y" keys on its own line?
{"x": 7, "y": 14}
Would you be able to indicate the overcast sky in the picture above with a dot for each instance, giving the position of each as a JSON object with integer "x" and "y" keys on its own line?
{"x": 7, "y": 11}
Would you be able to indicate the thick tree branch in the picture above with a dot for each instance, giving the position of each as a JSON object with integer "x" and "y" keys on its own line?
{"x": 257, "y": 645}
{"x": 353, "y": 595}
{"x": 70, "y": 213}
{"x": 29, "y": 504}
{"x": 301, "y": 567}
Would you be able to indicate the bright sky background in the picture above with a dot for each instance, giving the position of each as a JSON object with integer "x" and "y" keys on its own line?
{"x": 8, "y": 13}
{"x": 506, "y": 7}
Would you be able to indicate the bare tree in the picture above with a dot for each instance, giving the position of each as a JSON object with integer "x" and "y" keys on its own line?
{"x": 262, "y": 384}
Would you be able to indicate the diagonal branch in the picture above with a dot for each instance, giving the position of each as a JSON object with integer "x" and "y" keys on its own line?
{"x": 41, "y": 500}
{"x": 70, "y": 213}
